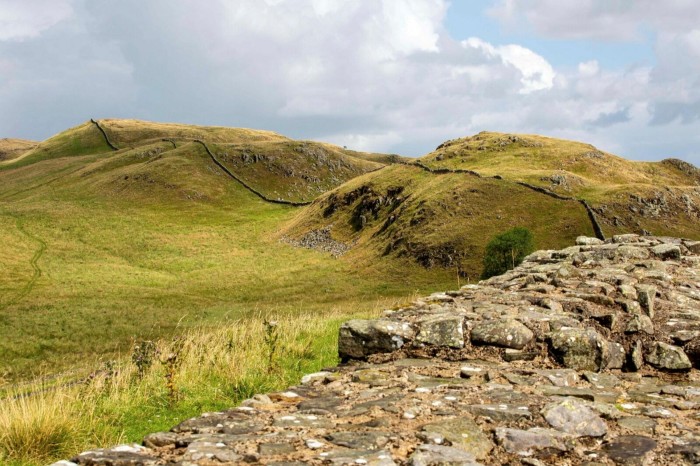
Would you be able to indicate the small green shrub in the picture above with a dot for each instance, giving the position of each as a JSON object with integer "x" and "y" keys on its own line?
{"x": 506, "y": 250}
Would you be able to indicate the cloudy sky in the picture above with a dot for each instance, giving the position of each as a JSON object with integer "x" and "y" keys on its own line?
{"x": 381, "y": 75}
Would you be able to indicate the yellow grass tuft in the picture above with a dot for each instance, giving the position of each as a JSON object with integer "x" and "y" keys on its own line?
{"x": 215, "y": 368}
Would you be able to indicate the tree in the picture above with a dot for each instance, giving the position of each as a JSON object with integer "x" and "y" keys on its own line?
{"x": 507, "y": 250}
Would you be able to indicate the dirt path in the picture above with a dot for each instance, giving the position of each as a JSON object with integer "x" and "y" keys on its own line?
{"x": 34, "y": 261}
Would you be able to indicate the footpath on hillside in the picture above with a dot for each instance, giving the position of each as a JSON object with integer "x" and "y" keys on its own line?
{"x": 587, "y": 355}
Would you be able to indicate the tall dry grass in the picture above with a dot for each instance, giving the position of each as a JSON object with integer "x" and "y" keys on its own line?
{"x": 203, "y": 369}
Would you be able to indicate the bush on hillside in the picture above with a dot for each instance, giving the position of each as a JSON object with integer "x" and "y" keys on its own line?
{"x": 507, "y": 250}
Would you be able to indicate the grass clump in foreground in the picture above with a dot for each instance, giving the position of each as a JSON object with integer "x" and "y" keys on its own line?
{"x": 165, "y": 382}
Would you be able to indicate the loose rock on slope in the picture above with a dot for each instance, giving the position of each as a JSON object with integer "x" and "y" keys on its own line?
{"x": 578, "y": 356}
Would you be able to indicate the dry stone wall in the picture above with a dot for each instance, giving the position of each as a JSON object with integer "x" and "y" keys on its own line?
{"x": 587, "y": 355}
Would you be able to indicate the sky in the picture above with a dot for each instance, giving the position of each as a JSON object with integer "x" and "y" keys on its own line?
{"x": 397, "y": 76}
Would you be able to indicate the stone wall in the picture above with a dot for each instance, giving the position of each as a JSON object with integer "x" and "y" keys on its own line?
{"x": 588, "y": 355}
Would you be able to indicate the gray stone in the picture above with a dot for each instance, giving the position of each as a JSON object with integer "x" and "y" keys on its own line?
{"x": 632, "y": 252}
{"x": 372, "y": 377}
{"x": 121, "y": 455}
{"x": 439, "y": 455}
{"x": 588, "y": 394}
{"x": 160, "y": 439}
{"x": 693, "y": 246}
{"x": 630, "y": 449}
{"x": 274, "y": 449}
{"x": 580, "y": 349}
{"x": 301, "y": 420}
{"x": 507, "y": 333}
{"x": 646, "y": 294}
{"x": 359, "y": 457}
{"x": 637, "y": 356}
{"x": 501, "y": 412}
{"x": 588, "y": 241}
{"x": 616, "y": 355}
{"x": 575, "y": 418}
{"x": 320, "y": 404}
{"x": 667, "y": 251}
{"x": 528, "y": 442}
{"x": 360, "y": 440}
{"x": 207, "y": 452}
{"x": 628, "y": 292}
{"x": 464, "y": 434}
{"x": 358, "y": 339}
{"x": 316, "y": 376}
{"x": 637, "y": 424}
{"x": 511, "y": 354}
{"x": 601, "y": 380}
{"x": 640, "y": 323}
{"x": 665, "y": 356}
{"x": 560, "y": 377}
{"x": 689, "y": 450}
{"x": 625, "y": 238}
{"x": 441, "y": 330}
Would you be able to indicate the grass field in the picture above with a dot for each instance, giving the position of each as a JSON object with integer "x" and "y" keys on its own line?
{"x": 103, "y": 249}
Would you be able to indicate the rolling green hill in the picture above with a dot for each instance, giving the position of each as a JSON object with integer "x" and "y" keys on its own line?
{"x": 436, "y": 220}
{"x": 121, "y": 229}
{"x": 104, "y": 246}
{"x": 659, "y": 197}
{"x": 118, "y": 231}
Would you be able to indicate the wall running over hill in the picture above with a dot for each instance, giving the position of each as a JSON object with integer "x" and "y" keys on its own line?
{"x": 591, "y": 214}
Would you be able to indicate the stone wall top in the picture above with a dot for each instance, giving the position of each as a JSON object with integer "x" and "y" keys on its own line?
{"x": 587, "y": 355}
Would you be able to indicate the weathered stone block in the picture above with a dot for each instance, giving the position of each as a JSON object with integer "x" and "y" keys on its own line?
{"x": 646, "y": 294}
{"x": 507, "y": 333}
{"x": 665, "y": 356}
{"x": 667, "y": 251}
{"x": 573, "y": 417}
{"x": 360, "y": 338}
{"x": 441, "y": 330}
{"x": 464, "y": 434}
{"x": 580, "y": 349}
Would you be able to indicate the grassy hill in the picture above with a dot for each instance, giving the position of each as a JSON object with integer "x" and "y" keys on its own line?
{"x": 660, "y": 197}
{"x": 105, "y": 246}
{"x": 440, "y": 221}
{"x": 118, "y": 231}
{"x": 12, "y": 148}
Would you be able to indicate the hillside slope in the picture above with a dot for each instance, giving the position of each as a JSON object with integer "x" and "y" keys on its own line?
{"x": 13, "y": 148}
{"x": 658, "y": 197}
{"x": 436, "y": 220}
{"x": 105, "y": 245}
{"x": 274, "y": 167}
{"x": 442, "y": 209}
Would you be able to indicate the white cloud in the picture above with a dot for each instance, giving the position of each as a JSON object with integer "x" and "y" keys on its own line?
{"x": 624, "y": 20}
{"x": 25, "y": 19}
{"x": 537, "y": 73}
{"x": 379, "y": 75}
{"x": 589, "y": 68}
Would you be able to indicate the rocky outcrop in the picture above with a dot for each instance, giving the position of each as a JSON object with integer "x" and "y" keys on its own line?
{"x": 320, "y": 240}
{"x": 587, "y": 355}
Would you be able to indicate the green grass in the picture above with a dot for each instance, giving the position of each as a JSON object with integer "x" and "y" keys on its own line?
{"x": 440, "y": 220}
{"x": 101, "y": 249}
{"x": 215, "y": 369}
{"x": 609, "y": 183}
